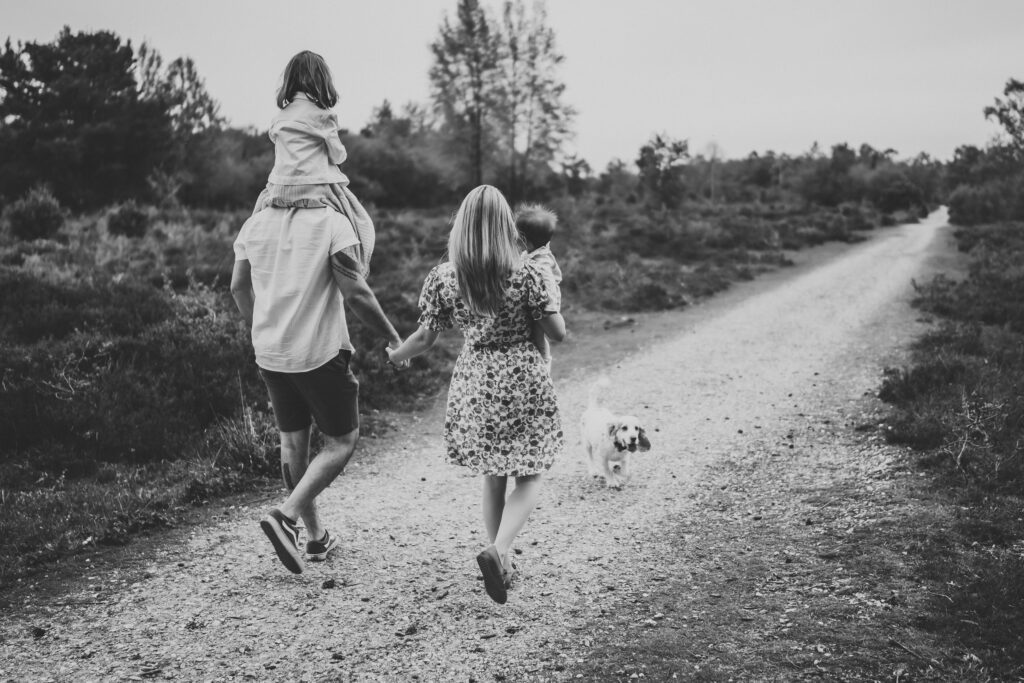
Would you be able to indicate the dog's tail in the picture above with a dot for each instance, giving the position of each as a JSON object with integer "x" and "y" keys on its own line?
{"x": 600, "y": 386}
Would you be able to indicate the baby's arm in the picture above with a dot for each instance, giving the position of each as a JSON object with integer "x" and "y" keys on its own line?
{"x": 553, "y": 326}
{"x": 539, "y": 339}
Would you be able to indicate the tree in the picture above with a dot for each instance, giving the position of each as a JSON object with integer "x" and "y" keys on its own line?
{"x": 191, "y": 107}
{"x": 872, "y": 157}
{"x": 463, "y": 78}
{"x": 574, "y": 173}
{"x": 397, "y": 160}
{"x": 497, "y": 91}
{"x": 529, "y": 106}
{"x": 660, "y": 163}
{"x": 1010, "y": 114}
{"x": 712, "y": 156}
{"x": 180, "y": 89}
{"x": 181, "y": 92}
{"x": 72, "y": 118}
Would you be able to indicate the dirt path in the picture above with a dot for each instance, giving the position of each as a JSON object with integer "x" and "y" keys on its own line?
{"x": 748, "y": 403}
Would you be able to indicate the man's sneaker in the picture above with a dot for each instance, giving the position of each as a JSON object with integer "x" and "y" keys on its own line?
{"x": 283, "y": 533}
{"x": 317, "y": 550}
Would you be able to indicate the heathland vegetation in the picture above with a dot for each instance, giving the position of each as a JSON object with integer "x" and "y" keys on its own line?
{"x": 128, "y": 389}
{"x": 961, "y": 401}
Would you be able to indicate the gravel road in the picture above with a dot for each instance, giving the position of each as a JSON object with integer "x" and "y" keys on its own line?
{"x": 400, "y": 598}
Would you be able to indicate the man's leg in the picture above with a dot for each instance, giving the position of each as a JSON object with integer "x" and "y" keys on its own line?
{"x": 329, "y": 395}
{"x": 317, "y": 475}
{"x": 294, "y": 460}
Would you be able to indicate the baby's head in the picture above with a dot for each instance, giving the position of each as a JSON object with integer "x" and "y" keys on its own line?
{"x": 536, "y": 224}
{"x": 307, "y": 72}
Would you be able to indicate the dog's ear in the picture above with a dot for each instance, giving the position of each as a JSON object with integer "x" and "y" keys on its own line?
{"x": 645, "y": 444}
{"x": 612, "y": 428}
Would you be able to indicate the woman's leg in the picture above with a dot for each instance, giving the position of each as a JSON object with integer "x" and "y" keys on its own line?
{"x": 516, "y": 511}
{"x": 493, "y": 503}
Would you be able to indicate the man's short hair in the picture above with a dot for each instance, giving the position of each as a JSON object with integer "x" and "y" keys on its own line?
{"x": 536, "y": 224}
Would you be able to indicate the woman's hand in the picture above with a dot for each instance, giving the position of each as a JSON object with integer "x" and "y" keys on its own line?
{"x": 415, "y": 344}
{"x": 402, "y": 365}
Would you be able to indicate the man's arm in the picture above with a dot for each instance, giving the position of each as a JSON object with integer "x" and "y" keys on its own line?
{"x": 360, "y": 298}
{"x": 241, "y": 290}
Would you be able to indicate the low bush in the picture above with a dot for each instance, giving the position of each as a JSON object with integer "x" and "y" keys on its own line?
{"x": 128, "y": 219}
{"x": 36, "y": 216}
{"x": 985, "y": 204}
{"x": 963, "y": 396}
{"x": 993, "y": 292}
{"x": 33, "y": 310}
{"x": 120, "y": 373}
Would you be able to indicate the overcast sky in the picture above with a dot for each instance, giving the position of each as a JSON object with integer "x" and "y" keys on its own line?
{"x": 913, "y": 75}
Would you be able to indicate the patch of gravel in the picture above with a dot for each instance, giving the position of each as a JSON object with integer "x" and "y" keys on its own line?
{"x": 737, "y": 401}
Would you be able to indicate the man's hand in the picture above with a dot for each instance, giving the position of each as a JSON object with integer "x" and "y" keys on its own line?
{"x": 399, "y": 366}
{"x": 241, "y": 290}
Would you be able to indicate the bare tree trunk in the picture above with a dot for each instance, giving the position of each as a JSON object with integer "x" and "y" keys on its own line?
{"x": 478, "y": 147}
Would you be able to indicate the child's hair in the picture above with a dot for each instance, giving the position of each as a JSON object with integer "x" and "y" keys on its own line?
{"x": 484, "y": 248}
{"x": 307, "y": 72}
{"x": 536, "y": 224}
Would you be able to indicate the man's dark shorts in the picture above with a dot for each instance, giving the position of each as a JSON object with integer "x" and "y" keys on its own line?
{"x": 329, "y": 394}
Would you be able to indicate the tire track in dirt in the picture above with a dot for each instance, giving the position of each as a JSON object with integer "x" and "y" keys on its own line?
{"x": 399, "y": 600}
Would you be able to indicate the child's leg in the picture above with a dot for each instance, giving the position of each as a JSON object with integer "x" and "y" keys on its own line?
{"x": 517, "y": 510}
{"x": 493, "y": 503}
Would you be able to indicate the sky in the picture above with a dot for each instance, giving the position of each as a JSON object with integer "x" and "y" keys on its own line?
{"x": 739, "y": 75}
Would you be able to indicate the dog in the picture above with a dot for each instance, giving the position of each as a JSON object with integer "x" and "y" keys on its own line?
{"x": 609, "y": 439}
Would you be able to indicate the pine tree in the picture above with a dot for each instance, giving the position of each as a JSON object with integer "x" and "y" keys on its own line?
{"x": 463, "y": 78}
{"x": 529, "y": 103}
{"x": 73, "y": 119}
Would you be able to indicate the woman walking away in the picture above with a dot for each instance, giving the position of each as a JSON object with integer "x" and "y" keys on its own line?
{"x": 502, "y": 418}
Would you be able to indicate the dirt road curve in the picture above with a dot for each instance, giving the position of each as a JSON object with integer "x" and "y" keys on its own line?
{"x": 751, "y": 389}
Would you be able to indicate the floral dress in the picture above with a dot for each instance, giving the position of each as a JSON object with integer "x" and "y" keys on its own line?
{"x": 502, "y": 417}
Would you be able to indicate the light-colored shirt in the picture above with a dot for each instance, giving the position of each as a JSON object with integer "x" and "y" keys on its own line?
{"x": 298, "y": 321}
{"x": 550, "y": 274}
{"x": 307, "y": 148}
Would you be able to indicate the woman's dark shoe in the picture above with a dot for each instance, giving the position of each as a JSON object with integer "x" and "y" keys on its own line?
{"x": 494, "y": 575}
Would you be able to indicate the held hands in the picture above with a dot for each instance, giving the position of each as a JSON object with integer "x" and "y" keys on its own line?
{"x": 400, "y": 366}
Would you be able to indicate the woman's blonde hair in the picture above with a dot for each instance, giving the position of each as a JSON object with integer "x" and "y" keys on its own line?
{"x": 307, "y": 72}
{"x": 484, "y": 247}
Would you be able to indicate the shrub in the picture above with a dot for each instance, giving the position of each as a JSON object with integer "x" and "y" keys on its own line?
{"x": 935, "y": 374}
{"x": 973, "y": 205}
{"x": 648, "y": 296}
{"x": 141, "y": 390}
{"x": 963, "y": 396}
{"x": 32, "y": 310}
{"x": 128, "y": 219}
{"x": 36, "y": 216}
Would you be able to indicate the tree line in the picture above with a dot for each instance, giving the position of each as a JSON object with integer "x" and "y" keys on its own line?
{"x": 98, "y": 122}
